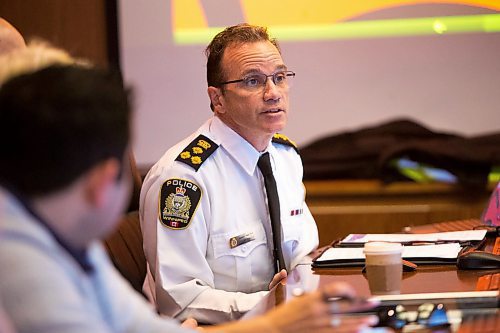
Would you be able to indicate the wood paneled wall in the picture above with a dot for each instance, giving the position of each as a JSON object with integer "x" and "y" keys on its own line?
{"x": 79, "y": 26}
{"x": 342, "y": 207}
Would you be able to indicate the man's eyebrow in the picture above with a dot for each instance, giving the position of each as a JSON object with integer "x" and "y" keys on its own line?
{"x": 256, "y": 71}
{"x": 250, "y": 71}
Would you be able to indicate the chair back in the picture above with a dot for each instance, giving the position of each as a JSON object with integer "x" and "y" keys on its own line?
{"x": 124, "y": 246}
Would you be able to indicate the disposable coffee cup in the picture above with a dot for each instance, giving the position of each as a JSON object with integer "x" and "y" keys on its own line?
{"x": 384, "y": 267}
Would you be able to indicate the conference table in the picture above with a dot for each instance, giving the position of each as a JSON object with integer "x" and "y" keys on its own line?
{"x": 425, "y": 279}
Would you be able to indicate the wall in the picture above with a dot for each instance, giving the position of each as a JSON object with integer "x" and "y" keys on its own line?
{"x": 357, "y": 89}
{"x": 447, "y": 82}
{"x": 78, "y": 26}
{"x": 342, "y": 207}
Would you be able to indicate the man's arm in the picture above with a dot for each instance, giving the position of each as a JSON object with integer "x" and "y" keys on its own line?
{"x": 184, "y": 284}
{"x": 44, "y": 290}
{"x": 308, "y": 313}
{"x": 129, "y": 311}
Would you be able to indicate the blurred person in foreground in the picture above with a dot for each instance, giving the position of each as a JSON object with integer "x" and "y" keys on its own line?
{"x": 10, "y": 38}
{"x": 64, "y": 181}
{"x": 38, "y": 54}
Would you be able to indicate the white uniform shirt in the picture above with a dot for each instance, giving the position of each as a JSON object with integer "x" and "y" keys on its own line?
{"x": 194, "y": 271}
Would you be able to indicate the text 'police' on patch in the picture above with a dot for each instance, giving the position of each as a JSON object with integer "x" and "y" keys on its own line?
{"x": 178, "y": 201}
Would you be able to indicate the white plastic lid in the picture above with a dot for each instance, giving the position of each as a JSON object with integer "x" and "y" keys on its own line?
{"x": 382, "y": 248}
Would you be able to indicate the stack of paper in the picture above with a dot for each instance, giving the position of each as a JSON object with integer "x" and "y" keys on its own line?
{"x": 420, "y": 253}
{"x": 452, "y": 236}
{"x": 433, "y": 248}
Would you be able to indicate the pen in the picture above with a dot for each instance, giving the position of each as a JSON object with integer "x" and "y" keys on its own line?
{"x": 418, "y": 243}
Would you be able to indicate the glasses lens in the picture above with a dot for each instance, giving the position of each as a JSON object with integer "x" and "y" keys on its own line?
{"x": 258, "y": 81}
{"x": 255, "y": 81}
{"x": 283, "y": 79}
{"x": 279, "y": 78}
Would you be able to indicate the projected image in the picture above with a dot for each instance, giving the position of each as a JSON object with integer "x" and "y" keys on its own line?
{"x": 197, "y": 21}
{"x": 358, "y": 63}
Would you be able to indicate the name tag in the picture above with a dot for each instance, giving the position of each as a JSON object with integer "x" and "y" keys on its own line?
{"x": 240, "y": 240}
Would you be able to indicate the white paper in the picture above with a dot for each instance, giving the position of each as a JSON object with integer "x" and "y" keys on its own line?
{"x": 455, "y": 295}
{"x": 445, "y": 251}
{"x": 468, "y": 235}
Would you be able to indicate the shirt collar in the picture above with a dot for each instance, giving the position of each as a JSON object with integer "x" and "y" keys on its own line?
{"x": 240, "y": 149}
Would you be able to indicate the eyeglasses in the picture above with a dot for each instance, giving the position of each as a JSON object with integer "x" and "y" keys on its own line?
{"x": 258, "y": 81}
{"x": 428, "y": 315}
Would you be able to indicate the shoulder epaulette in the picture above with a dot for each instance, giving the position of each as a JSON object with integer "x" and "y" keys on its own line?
{"x": 284, "y": 140}
{"x": 197, "y": 152}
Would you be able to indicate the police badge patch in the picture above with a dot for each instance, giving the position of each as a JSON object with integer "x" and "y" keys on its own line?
{"x": 179, "y": 199}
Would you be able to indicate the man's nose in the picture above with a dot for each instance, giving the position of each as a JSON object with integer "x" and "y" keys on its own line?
{"x": 271, "y": 90}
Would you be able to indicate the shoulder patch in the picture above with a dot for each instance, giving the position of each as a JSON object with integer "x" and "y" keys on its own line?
{"x": 284, "y": 140}
{"x": 178, "y": 202}
{"x": 197, "y": 152}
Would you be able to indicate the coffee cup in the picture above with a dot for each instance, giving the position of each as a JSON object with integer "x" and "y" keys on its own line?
{"x": 384, "y": 267}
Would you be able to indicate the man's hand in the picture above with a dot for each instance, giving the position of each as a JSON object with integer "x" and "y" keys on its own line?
{"x": 280, "y": 277}
{"x": 190, "y": 323}
{"x": 312, "y": 312}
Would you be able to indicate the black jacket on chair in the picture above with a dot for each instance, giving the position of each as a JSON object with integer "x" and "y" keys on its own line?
{"x": 367, "y": 153}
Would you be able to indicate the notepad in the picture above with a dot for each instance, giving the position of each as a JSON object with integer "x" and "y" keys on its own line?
{"x": 451, "y": 236}
{"x": 449, "y": 251}
{"x": 421, "y": 254}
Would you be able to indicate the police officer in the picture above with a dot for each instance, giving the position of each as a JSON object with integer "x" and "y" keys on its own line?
{"x": 204, "y": 206}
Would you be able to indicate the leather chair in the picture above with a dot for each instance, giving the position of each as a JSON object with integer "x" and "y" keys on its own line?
{"x": 124, "y": 246}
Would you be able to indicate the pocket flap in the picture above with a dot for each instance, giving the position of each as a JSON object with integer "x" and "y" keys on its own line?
{"x": 227, "y": 243}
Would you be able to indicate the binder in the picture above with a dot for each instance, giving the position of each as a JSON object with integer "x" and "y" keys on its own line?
{"x": 419, "y": 254}
{"x": 464, "y": 237}
{"x": 429, "y": 249}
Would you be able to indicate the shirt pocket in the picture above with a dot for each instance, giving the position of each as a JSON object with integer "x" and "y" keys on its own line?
{"x": 221, "y": 242}
{"x": 291, "y": 226}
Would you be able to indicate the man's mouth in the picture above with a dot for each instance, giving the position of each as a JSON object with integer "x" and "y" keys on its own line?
{"x": 273, "y": 110}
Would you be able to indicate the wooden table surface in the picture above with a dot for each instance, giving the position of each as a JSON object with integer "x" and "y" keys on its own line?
{"x": 426, "y": 279}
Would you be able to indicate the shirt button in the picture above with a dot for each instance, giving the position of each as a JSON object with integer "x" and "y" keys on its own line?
{"x": 244, "y": 247}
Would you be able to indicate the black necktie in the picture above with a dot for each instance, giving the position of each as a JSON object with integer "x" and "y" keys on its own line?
{"x": 273, "y": 202}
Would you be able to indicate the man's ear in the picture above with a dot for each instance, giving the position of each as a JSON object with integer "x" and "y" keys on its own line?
{"x": 216, "y": 97}
{"x": 99, "y": 180}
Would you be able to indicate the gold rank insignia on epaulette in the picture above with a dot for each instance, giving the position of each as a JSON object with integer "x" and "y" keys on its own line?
{"x": 197, "y": 152}
{"x": 284, "y": 140}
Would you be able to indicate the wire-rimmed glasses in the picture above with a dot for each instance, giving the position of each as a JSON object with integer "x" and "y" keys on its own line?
{"x": 258, "y": 81}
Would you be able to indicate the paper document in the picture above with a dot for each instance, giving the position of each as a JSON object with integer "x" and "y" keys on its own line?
{"x": 443, "y": 251}
{"x": 455, "y": 295}
{"x": 459, "y": 236}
